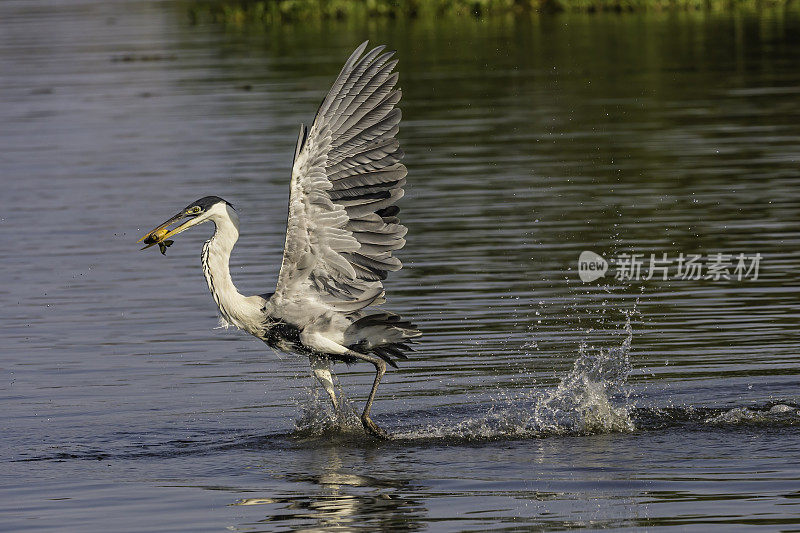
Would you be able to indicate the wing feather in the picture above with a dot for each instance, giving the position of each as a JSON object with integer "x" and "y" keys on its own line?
{"x": 346, "y": 177}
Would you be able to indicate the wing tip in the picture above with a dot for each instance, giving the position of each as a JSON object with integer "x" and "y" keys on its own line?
{"x": 301, "y": 140}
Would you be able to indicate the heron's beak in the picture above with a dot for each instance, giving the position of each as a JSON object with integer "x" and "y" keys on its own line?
{"x": 161, "y": 232}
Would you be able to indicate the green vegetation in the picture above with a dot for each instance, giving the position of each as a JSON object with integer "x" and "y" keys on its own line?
{"x": 243, "y": 12}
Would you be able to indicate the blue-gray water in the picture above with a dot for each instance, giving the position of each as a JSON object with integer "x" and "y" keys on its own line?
{"x": 534, "y": 401}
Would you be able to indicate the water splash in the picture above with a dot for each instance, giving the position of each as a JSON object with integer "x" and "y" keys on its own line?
{"x": 318, "y": 418}
{"x": 774, "y": 415}
{"x": 589, "y": 399}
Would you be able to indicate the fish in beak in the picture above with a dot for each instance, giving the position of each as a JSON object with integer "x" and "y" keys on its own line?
{"x": 161, "y": 234}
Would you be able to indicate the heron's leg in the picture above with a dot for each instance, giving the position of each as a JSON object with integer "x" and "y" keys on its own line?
{"x": 321, "y": 367}
{"x": 380, "y": 369}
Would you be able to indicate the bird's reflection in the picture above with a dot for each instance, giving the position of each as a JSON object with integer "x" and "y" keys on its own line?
{"x": 342, "y": 499}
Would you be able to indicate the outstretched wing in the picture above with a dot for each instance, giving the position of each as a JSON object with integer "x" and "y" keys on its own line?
{"x": 346, "y": 178}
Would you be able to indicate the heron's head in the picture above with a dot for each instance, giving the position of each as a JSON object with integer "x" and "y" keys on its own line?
{"x": 197, "y": 212}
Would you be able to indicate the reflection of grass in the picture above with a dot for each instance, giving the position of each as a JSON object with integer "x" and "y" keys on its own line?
{"x": 242, "y": 12}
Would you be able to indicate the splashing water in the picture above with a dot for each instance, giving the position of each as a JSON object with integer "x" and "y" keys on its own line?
{"x": 584, "y": 400}
{"x": 778, "y": 414}
{"x": 318, "y": 418}
{"x": 582, "y": 403}
{"x": 591, "y": 398}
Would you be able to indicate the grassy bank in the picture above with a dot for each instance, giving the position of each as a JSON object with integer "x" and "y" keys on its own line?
{"x": 241, "y": 12}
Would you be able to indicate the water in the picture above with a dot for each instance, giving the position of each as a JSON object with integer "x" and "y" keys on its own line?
{"x": 535, "y": 400}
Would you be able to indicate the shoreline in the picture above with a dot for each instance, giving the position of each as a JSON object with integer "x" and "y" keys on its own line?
{"x": 247, "y": 12}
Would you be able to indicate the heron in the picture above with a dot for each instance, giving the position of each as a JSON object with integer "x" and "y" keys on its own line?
{"x": 342, "y": 232}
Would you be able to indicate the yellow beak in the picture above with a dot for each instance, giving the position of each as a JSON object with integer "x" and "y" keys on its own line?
{"x": 161, "y": 232}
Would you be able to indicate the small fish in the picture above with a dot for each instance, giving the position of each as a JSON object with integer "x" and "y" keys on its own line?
{"x": 163, "y": 245}
{"x": 155, "y": 238}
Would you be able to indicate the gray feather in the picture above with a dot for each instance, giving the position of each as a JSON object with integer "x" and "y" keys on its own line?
{"x": 347, "y": 176}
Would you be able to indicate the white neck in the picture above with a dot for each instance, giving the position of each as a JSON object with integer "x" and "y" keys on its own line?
{"x": 234, "y": 308}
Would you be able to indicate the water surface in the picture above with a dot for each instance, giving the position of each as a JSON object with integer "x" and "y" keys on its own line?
{"x": 534, "y": 401}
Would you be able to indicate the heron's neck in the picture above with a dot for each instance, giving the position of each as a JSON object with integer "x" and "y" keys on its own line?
{"x": 235, "y": 308}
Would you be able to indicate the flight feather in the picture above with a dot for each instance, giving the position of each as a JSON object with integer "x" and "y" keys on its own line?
{"x": 346, "y": 177}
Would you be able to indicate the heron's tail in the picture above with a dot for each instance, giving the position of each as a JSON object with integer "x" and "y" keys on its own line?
{"x": 385, "y": 334}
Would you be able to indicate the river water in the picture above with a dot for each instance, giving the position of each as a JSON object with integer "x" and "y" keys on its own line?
{"x": 535, "y": 400}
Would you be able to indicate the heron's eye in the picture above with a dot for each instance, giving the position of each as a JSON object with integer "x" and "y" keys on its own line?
{"x": 195, "y": 210}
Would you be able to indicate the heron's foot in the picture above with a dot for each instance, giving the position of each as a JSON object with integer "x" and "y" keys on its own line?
{"x": 373, "y": 429}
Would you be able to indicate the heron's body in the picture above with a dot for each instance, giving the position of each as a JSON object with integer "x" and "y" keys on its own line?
{"x": 341, "y": 234}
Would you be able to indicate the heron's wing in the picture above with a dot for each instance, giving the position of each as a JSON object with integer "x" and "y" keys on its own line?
{"x": 346, "y": 178}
